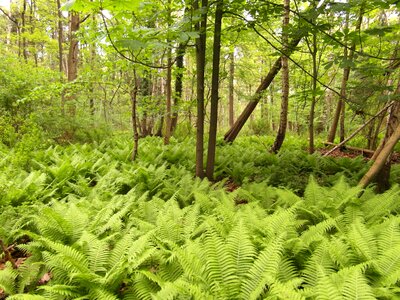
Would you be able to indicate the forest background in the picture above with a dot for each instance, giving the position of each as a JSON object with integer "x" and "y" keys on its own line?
{"x": 183, "y": 149}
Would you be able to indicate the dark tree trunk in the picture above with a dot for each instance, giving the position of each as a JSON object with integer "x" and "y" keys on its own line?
{"x": 168, "y": 88}
{"x": 212, "y": 136}
{"x": 231, "y": 87}
{"x": 285, "y": 81}
{"x": 200, "y": 69}
{"x": 313, "y": 100}
{"x": 178, "y": 85}
{"x": 134, "y": 92}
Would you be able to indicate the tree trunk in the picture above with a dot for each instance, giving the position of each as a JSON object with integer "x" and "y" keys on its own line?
{"x": 201, "y": 27}
{"x": 60, "y": 52}
{"x": 231, "y": 87}
{"x": 348, "y": 58}
{"x": 134, "y": 92}
{"x": 178, "y": 85}
{"x": 72, "y": 63}
{"x": 314, "y": 95}
{"x": 212, "y": 136}
{"x": 285, "y": 81}
{"x": 233, "y": 132}
{"x": 393, "y": 122}
{"x": 23, "y": 30}
{"x": 168, "y": 88}
{"x": 381, "y": 160}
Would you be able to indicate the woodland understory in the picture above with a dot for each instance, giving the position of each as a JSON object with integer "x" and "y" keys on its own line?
{"x": 199, "y": 149}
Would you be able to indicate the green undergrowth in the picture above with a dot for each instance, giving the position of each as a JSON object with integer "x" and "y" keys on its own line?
{"x": 98, "y": 226}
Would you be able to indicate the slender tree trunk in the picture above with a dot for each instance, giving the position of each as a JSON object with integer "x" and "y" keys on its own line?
{"x": 134, "y": 92}
{"x": 168, "y": 88}
{"x": 200, "y": 69}
{"x": 233, "y": 132}
{"x": 60, "y": 53}
{"x": 72, "y": 69}
{"x": 23, "y": 31}
{"x": 212, "y": 136}
{"x": 285, "y": 81}
{"x": 92, "y": 62}
{"x": 311, "y": 148}
{"x": 340, "y": 108}
{"x": 178, "y": 84}
{"x": 231, "y": 87}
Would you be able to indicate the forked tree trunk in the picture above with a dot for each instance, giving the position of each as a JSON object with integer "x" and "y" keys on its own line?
{"x": 285, "y": 81}
{"x": 201, "y": 27}
{"x": 212, "y": 136}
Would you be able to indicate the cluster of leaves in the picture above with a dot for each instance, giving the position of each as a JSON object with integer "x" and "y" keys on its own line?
{"x": 100, "y": 227}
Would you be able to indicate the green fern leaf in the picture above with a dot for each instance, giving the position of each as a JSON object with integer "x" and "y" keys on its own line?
{"x": 263, "y": 271}
{"x": 356, "y": 287}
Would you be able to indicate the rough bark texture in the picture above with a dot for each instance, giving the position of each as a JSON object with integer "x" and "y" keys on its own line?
{"x": 212, "y": 136}
{"x": 200, "y": 68}
{"x": 280, "y": 137}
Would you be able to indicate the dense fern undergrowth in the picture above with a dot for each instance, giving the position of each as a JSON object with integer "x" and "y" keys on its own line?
{"x": 101, "y": 227}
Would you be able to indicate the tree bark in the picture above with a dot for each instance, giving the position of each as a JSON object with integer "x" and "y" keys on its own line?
{"x": 201, "y": 27}
{"x": 393, "y": 122}
{"x": 314, "y": 96}
{"x": 280, "y": 137}
{"x": 233, "y": 132}
{"x": 382, "y": 111}
{"x": 72, "y": 63}
{"x": 212, "y": 135}
{"x": 133, "y": 93}
{"x": 381, "y": 159}
{"x": 60, "y": 52}
{"x": 178, "y": 84}
{"x": 168, "y": 88}
{"x": 340, "y": 108}
{"x": 231, "y": 87}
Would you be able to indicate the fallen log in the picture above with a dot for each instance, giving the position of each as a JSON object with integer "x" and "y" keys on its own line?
{"x": 367, "y": 152}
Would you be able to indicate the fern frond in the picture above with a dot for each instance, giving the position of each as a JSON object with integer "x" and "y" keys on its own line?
{"x": 66, "y": 291}
{"x": 356, "y": 287}
{"x": 362, "y": 241}
{"x": 263, "y": 271}
{"x": 97, "y": 252}
{"x": 8, "y": 278}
